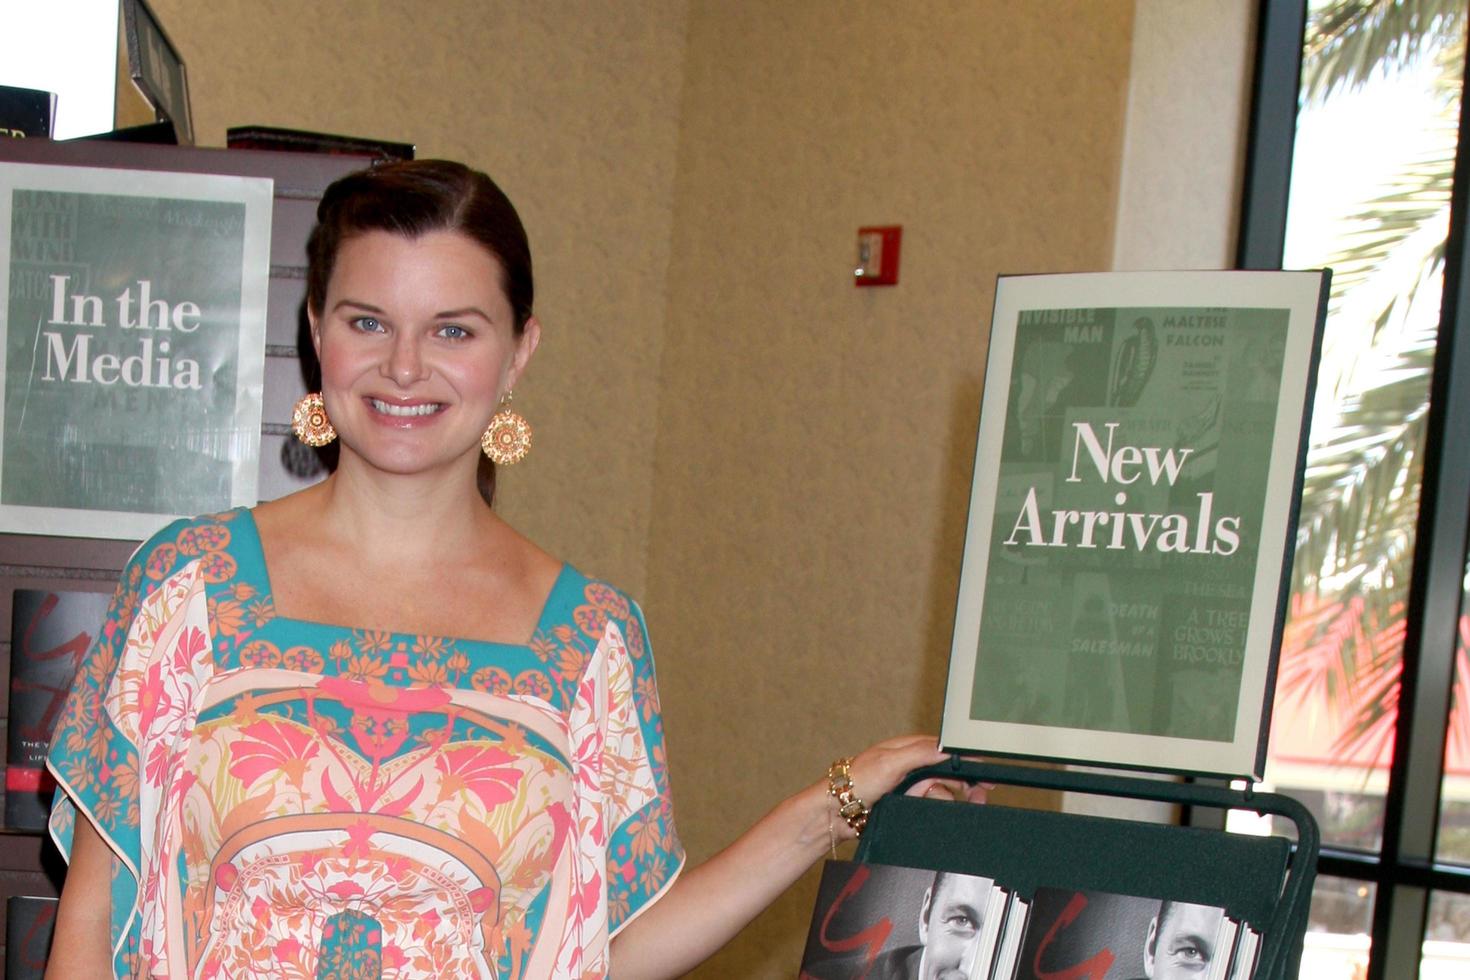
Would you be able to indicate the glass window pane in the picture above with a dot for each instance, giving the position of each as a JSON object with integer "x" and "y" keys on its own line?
{"x": 1452, "y": 844}
{"x": 1446, "y": 953}
{"x": 1336, "y": 946}
{"x": 1373, "y": 165}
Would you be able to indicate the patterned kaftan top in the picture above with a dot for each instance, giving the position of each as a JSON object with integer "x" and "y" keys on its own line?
{"x": 295, "y": 799}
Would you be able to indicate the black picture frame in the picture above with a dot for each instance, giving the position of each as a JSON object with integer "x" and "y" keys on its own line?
{"x": 156, "y": 68}
{"x": 1160, "y": 662}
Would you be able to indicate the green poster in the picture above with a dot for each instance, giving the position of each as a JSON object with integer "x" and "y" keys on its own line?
{"x": 1135, "y": 461}
{"x": 134, "y": 345}
{"x": 1123, "y": 564}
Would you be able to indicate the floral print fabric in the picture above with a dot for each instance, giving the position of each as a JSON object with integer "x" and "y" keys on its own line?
{"x": 294, "y": 799}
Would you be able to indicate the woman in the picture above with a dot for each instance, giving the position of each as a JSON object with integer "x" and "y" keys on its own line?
{"x": 369, "y": 729}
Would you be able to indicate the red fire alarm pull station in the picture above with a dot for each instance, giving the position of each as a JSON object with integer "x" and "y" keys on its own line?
{"x": 877, "y": 256}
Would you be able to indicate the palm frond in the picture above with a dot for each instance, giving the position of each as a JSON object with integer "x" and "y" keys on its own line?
{"x": 1370, "y": 731}
{"x": 1361, "y": 494}
{"x": 1360, "y": 502}
{"x": 1348, "y": 41}
{"x": 1458, "y": 740}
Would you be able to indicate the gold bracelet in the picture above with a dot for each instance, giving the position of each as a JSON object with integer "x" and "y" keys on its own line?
{"x": 839, "y": 787}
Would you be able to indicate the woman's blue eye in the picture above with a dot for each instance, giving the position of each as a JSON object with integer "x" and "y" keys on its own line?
{"x": 368, "y": 324}
{"x": 453, "y": 331}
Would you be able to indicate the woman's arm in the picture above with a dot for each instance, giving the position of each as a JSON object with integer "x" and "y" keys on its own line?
{"x": 706, "y": 906}
{"x": 82, "y": 945}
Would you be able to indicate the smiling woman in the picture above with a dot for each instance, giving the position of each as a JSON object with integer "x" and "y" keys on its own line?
{"x": 371, "y": 730}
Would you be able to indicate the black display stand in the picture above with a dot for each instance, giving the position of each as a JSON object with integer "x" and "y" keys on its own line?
{"x": 1265, "y": 882}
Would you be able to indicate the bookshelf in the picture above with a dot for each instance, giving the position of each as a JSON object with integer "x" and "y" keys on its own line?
{"x": 29, "y": 865}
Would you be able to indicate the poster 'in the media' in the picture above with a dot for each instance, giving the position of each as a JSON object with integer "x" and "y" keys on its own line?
{"x": 1137, "y": 476}
{"x": 133, "y": 308}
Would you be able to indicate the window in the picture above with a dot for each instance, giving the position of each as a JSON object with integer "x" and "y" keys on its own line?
{"x": 1354, "y": 164}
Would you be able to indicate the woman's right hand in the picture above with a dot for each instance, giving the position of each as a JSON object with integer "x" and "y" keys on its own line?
{"x": 880, "y": 768}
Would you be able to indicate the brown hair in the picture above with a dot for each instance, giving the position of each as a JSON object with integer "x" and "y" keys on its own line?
{"x": 412, "y": 198}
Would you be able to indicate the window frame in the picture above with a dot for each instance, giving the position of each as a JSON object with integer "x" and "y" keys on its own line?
{"x": 1404, "y": 871}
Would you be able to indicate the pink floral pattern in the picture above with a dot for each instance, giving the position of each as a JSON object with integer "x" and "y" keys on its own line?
{"x": 287, "y": 797}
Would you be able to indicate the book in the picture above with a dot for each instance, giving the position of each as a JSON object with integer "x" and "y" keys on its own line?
{"x": 884, "y": 922}
{"x": 1138, "y": 470}
{"x": 26, "y": 113}
{"x": 1095, "y": 935}
{"x": 1018, "y": 911}
{"x": 49, "y": 634}
{"x": 876, "y": 921}
{"x": 1243, "y": 961}
{"x": 304, "y": 141}
{"x": 29, "y": 923}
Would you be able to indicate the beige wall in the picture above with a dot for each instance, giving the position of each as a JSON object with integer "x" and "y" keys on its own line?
{"x": 815, "y": 440}
{"x": 576, "y": 115}
{"x": 776, "y": 462}
{"x": 1183, "y": 152}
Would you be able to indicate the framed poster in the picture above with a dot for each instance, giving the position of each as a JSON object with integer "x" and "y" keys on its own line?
{"x": 156, "y": 68}
{"x": 1137, "y": 479}
{"x": 133, "y": 313}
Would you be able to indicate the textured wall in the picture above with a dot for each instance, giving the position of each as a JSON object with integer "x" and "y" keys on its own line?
{"x": 575, "y": 114}
{"x": 815, "y": 440}
{"x": 776, "y": 461}
{"x": 1183, "y": 156}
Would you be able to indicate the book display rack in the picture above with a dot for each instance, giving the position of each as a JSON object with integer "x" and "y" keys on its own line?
{"x": 1132, "y": 519}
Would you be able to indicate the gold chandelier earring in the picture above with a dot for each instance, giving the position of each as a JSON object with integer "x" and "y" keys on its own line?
{"x": 310, "y": 423}
{"x": 507, "y": 438}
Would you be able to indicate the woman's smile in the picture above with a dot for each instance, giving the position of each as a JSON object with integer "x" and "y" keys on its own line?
{"x": 413, "y": 410}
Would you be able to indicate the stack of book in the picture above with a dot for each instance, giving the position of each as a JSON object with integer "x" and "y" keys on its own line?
{"x": 880, "y": 922}
{"x": 26, "y": 113}
{"x": 29, "y": 922}
{"x": 50, "y": 632}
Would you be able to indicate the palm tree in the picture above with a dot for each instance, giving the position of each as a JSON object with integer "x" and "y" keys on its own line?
{"x": 1361, "y": 496}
